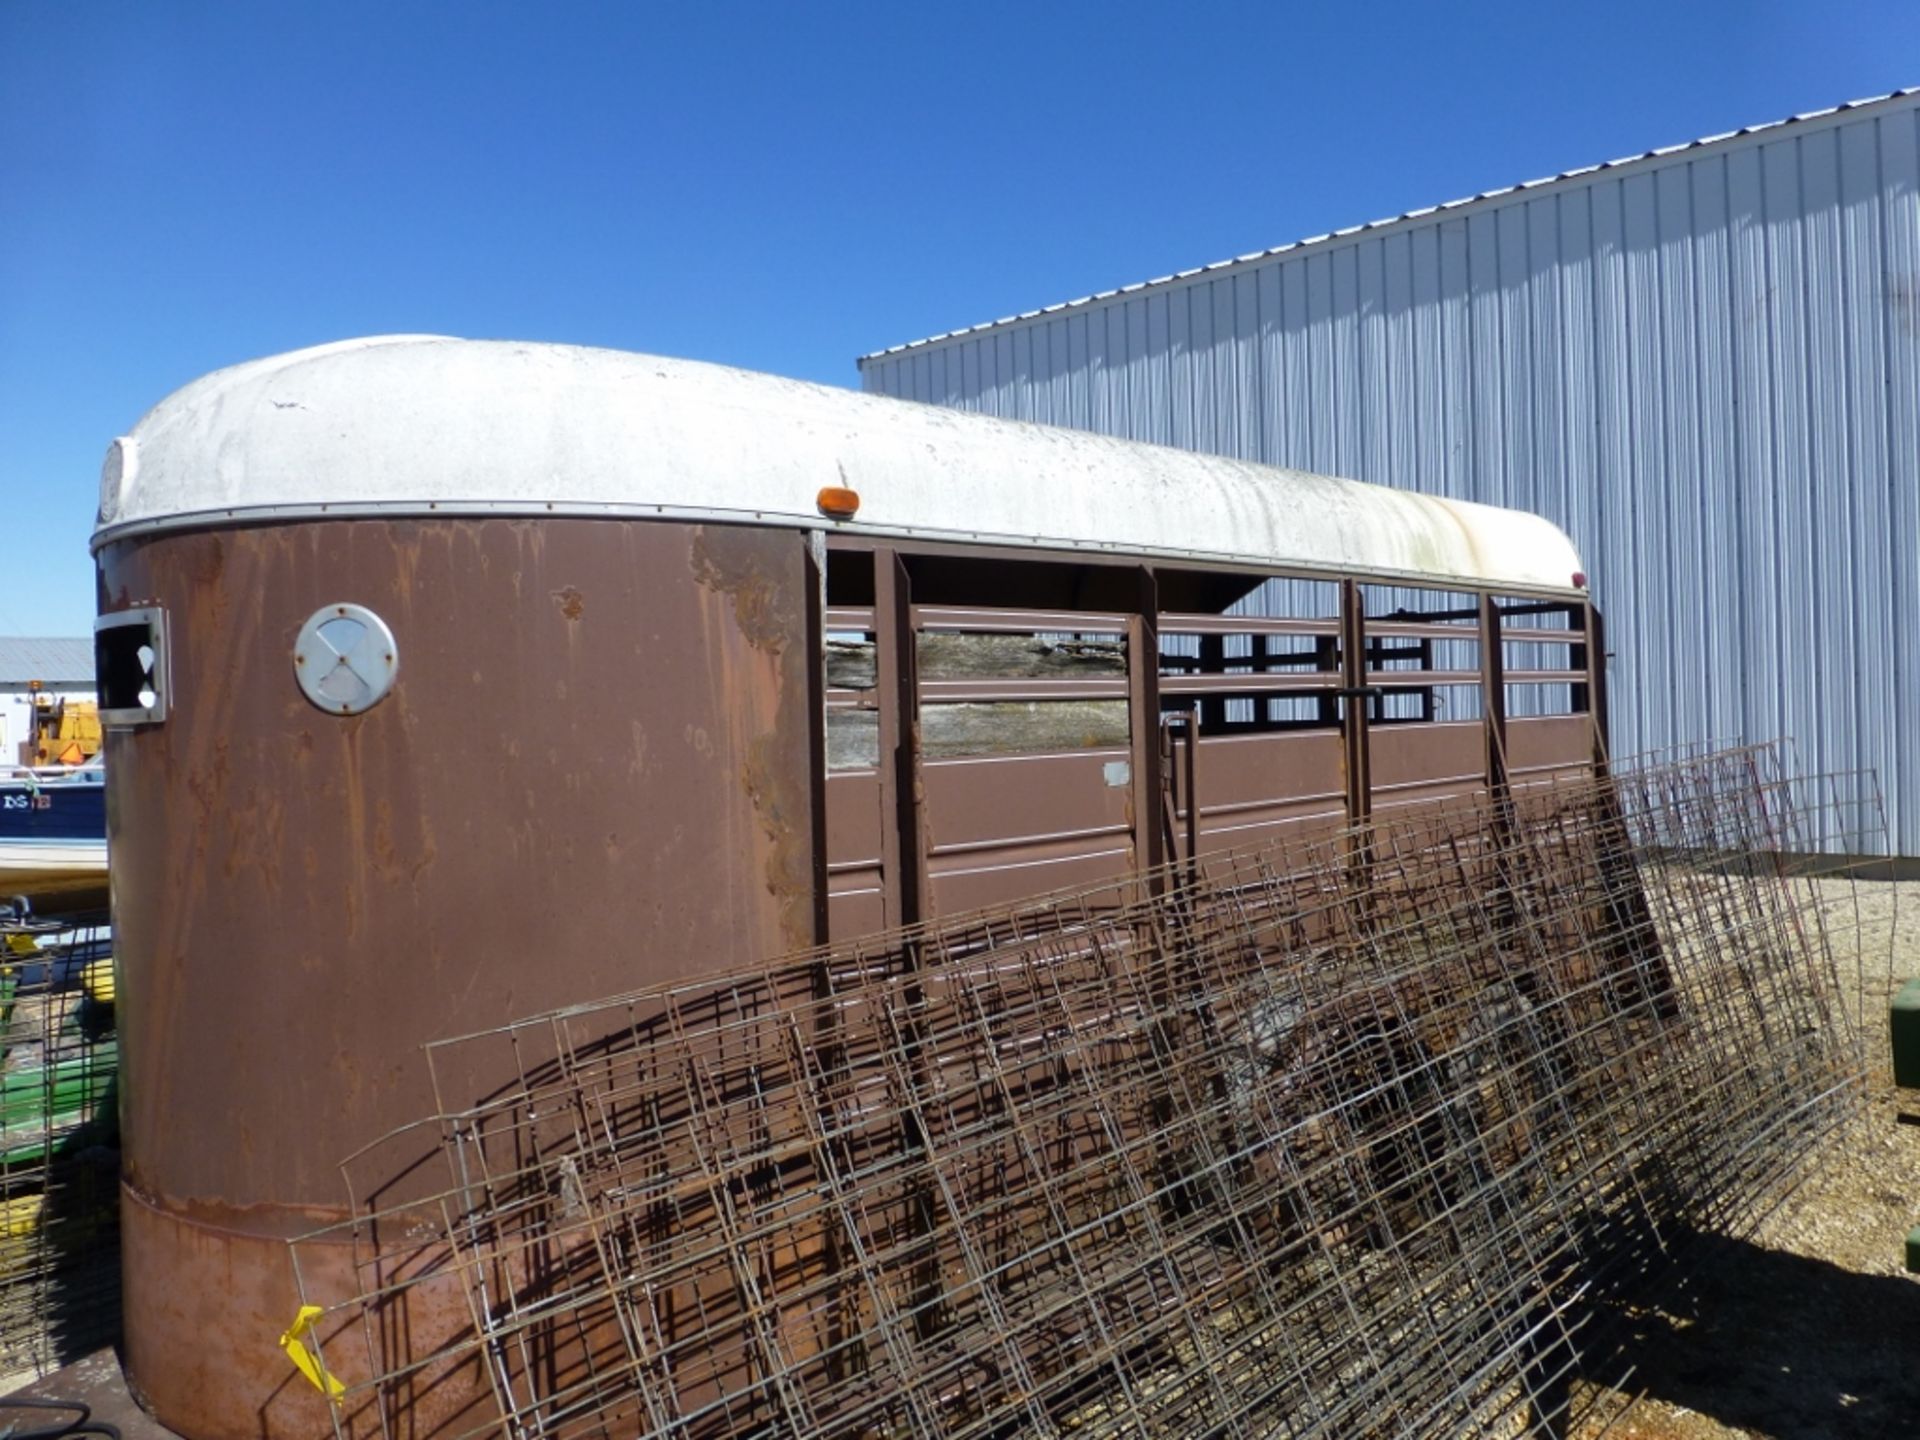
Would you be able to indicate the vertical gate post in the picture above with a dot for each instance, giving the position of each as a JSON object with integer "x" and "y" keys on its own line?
{"x": 1596, "y": 648}
{"x": 1143, "y": 726}
{"x": 1353, "y": 684}
{"x": 903, "y": 840}
{"x": 1493, "y": 712}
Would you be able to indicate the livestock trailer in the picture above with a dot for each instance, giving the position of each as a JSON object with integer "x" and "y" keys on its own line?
{"x": 450, "y": 681}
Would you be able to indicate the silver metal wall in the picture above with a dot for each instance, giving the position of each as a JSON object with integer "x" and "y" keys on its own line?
{"x": 1705, "y": 365}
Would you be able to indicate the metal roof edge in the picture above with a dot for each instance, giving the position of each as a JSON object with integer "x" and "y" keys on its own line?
{"x": 1658, "y": 153}
{"x": 236, "y": 517}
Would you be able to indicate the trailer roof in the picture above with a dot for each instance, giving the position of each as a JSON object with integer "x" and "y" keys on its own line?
{"x": 426, "y": 425}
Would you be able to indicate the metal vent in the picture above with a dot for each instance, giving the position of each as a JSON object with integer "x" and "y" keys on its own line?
{"x": 345, "y": 659}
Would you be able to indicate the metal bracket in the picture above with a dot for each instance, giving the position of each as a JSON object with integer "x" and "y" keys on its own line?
{"x": 132, "y": 666}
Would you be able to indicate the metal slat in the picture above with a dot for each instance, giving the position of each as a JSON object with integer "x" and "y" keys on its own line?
{"x": 1422, "y": 630}
{"x": 1171, "y": 624}
{"x": 1284, "y": 684}
{"x": 965, "y": 692}
{"x": 983, "y": 621}
{"x": 1409, "y": 679}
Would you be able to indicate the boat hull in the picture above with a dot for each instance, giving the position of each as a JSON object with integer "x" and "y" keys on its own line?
{"x": 53, "y": 839}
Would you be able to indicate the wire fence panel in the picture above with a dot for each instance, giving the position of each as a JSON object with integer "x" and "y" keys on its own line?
{"x": 59, "y": 1145}
{"x": 1371, "y": 1134}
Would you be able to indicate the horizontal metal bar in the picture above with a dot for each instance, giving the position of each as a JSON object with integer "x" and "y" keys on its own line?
{"x": 1171, "y": 624}
{"x": 1419, "y": 630}
{"x": 1018, "y": 845}
{"x": 1540, "y": 607}
{"x": 1419, "y": 679}
{"x": 996, "y": 621}
{"x": 1177, "y": 664}
{"x": 1256, "y": 684}
{"x": 849, "y": 617}
{"x": 1467, "y": 612}
{"x": 1516, "y": 607}
{"x": 961, "y": 692}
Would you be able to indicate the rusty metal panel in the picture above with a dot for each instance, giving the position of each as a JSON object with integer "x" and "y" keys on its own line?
{"x": 1253, "y": 788}
{"x": 1002, "y": 828}
{"x": 593, "y": 773}
{"x": 1541, "y": 746}
{"x": 1416, "y": 763}
{"x": 856, "y": 903}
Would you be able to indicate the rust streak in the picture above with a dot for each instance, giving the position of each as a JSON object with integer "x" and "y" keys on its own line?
{"x": 725, "y": 562}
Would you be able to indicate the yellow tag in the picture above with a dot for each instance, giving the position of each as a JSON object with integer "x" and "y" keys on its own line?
{"x": 304, "y": 1360}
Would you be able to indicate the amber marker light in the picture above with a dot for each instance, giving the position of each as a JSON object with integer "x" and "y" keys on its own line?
{"x": 836, "y": 502}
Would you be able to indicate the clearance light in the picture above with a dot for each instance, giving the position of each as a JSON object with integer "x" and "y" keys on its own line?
{"x": 1579, "y": 579}
{"x": 836, "y": 502}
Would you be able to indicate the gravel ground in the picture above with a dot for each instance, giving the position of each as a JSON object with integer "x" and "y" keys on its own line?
{"x": 1811, "y": 1329}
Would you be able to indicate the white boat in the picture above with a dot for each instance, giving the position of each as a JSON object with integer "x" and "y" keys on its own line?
{"x": 53, "y": 836}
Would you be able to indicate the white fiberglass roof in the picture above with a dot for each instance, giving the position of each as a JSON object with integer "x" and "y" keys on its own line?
{"x": 423, "y": 425}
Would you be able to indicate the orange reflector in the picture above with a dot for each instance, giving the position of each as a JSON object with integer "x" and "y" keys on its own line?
{"x": 837, "y": 502}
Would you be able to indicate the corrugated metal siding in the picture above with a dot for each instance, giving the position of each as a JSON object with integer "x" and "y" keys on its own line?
{"x": 1705, "y": 366}
{"x": 52, "y": 661}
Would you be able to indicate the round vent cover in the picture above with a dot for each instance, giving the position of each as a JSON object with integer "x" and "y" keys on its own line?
{"x": 345, "y": 659}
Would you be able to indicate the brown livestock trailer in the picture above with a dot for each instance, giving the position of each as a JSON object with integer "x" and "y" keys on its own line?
{"x": 450, "y": 681}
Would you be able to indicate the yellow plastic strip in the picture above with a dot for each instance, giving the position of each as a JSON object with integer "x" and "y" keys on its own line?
{"x": 304, "y": 1360}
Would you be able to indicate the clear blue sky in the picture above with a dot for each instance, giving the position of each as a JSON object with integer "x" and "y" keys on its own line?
{"x": 185, "y": 184}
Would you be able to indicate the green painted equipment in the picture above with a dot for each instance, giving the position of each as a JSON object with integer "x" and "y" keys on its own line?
{"x": 1905, "y": 1026}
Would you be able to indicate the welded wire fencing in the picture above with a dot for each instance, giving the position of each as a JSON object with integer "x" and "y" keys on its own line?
{"x": 1369, "y": 1134}
{"x": 59, "y": 1146}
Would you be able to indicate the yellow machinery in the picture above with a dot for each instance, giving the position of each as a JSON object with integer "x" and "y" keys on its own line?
{"x": 65, "y": 732}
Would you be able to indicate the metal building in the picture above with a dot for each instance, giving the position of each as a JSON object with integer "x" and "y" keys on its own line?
{"x": 1703, "y": 362}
